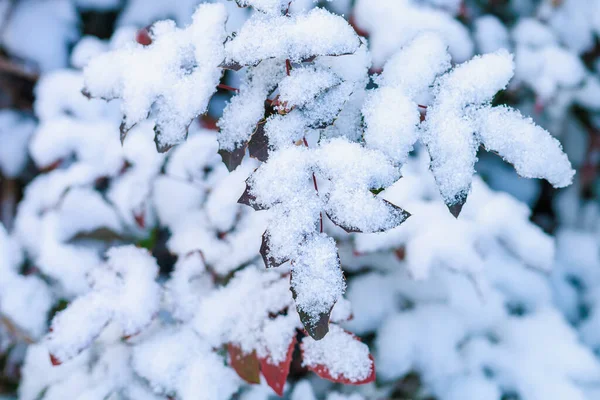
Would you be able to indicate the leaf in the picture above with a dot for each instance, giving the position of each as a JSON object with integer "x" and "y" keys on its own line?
{"x": 143, "y": 37}
{"x": 332, "y": 354}
{"x": 276, "y": 374}
{"x": 123, "y": 131}
{"x": 186, "y": 74}
{"x": 317, "y": 328}
{"x": 245, "y": 365}
{"x": 270, "y": 262}
{"x": 258, "y": 146}
{"x": 231, "y": 65}
{"x": 402, "y": 214}
{"x": 54, "y": 361}
{"x": 344, "y": 227}
{"x": 456, "y": 208}
{"x": 324, "y": 373}
{"x": 164, "y": 147}
{"x": 102, "y": 234}
{"x": 233, "y": 159}
{"x": 249, "y": 199}
{"x": 140, "y": 218}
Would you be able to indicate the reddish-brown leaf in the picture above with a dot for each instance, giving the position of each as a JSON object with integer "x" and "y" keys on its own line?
{"x": 55, "y": 361}
{"x": 258, "y": 146}
{"x": 233, "y": 159}
{"x": 231, "y": 65}
{"x": 140, "y": 218}
{"x": 276, "y": 374}
{"x": 249, "y": 199}
{"x": 324, "y": 372}
{"x": 456, "y": 208}
{"x": 143, "y": 37}
{"x": 316, "y": 328}
{"x": 246, "y": 365}
{"x": 265, "y": 250}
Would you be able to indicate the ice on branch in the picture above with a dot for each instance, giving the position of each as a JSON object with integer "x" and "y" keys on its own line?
{"x": 169, "y": 81}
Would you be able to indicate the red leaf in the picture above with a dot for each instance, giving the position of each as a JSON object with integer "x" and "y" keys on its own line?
{"x": 55, "y": 361}
{"x": 276, "y": 375}
{"x": 143, "y": 37}
{"x": 246, "y": 365}
{"x": 140, "y": 219}
{"x": 324, "y": 373}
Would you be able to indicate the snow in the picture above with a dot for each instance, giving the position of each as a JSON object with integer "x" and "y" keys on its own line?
{"x": 490, "y": 34}
{"x": 123, "y": 291}
{"x": 317, "y": 33}
{"x": 170, "y": 80}
{"x": 390, "y": 113}
{"x": 41, "y": 31}
{"x": 341, "y": 353}
{"x": 304, "y": 84}
{"x": 24, "y": 300}
{"x": 253, "y": 295}
{"x": 358, "y": 131}
{"x": 317, "y": 279}
{"x": 456, "y": 123}
{"x": 392, "y": 24}
{"x": 15, "y": 131}
{"x": 533, "y": 152}
{"x": 180, "y": 361}
{"x": 247, "y": 108}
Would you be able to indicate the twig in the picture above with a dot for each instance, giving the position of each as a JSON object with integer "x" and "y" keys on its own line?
{"x": 226, "y": 87}
{"x": 11, "y": 68}
{"x": 315, "y": 185}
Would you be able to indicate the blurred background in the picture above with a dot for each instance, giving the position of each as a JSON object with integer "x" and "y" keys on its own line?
{"x": 557, "y": 82}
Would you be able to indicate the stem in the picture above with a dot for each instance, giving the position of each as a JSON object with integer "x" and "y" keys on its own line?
{"x": 287, "y": 10}
{"x": 288, "y": 67}
{"x": 226, "y": 87}
{"x": 315, "y": 185}
{"x": 8, "y": 201}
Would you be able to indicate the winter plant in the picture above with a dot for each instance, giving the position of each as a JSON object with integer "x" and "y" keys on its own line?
{"x": 329, "y": 221}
